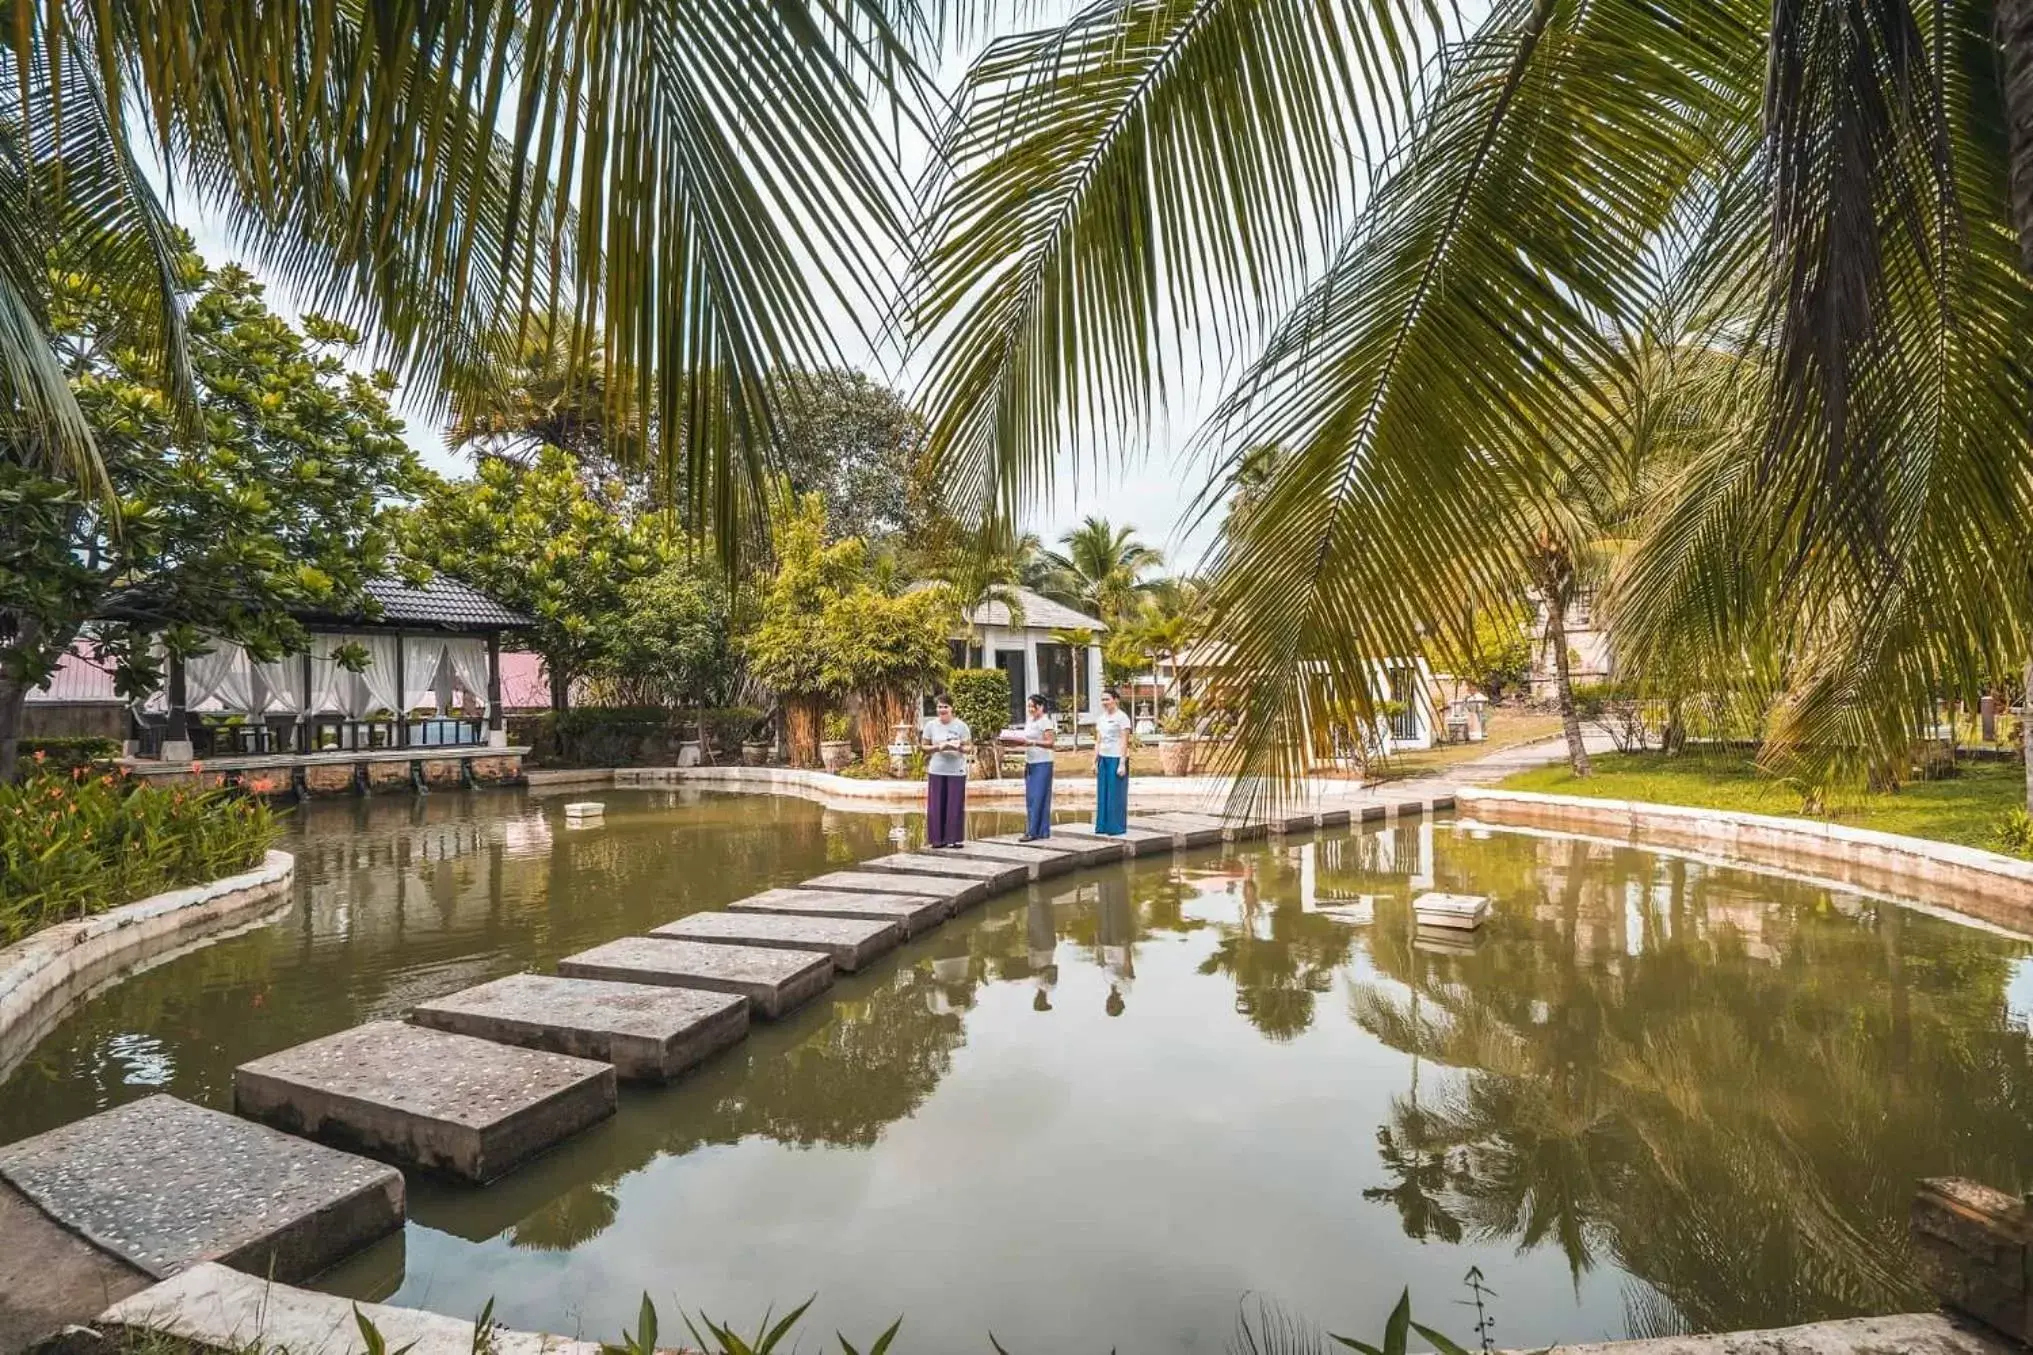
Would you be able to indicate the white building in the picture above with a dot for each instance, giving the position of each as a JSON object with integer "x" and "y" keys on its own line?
{"x": 1025, "y": 646}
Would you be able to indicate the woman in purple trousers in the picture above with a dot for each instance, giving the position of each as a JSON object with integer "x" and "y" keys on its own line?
{"x": 947, "y": 742}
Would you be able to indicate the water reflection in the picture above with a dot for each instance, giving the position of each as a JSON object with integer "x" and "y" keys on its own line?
{"x": 1650, "y": 1095}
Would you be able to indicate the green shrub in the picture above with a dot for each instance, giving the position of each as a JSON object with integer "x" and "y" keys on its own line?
{"x": 74, "y": 843}
{"x": 2012, "y": 833}
{"x": 728, "y": 727}
{"x": 981, "y": 698}
{"x": 60, "y": 755}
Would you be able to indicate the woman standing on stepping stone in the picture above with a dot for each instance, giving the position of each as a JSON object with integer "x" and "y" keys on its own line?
{"x": 1113, "y": 734}
{"x": 947, "y": 741}
{"x": 1039, "y": 737}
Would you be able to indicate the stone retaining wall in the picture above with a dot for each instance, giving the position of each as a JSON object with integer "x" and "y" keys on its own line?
{"x": 44, "y": 976}
{"x": 1995, "y": 888}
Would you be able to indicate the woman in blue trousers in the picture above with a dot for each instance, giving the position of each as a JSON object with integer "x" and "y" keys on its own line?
{"x": 1039, "y": 737}
{"x": 1113, "y": 733}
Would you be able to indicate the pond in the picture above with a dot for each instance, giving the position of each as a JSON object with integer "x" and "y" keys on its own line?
{"x": 1656, "y": 1095}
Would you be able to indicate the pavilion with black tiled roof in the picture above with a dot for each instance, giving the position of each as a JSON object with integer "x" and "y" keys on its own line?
{"x": 433, "y": 646}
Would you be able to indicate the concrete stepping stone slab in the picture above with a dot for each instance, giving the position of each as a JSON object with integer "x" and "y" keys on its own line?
{"x": 1038, "y": 864}
{"x": 1410, "y": 809}
{"x": 427, "y": 1098}
{"x": 955, "y": 893}
{"x": 221, "y": 1309}
{"x": 1135, "y": 841}
{"x": 648, "y": 1034}
{"x": 851, "y": 941}
{"x": 1332, "y": 818}
{"x": 163, "y": 1184}
{"x": 775, "y": 982}
{"x": 1182, "y": 834}
{"x": 997, "y": 875}
{"x": 914, "y": 913}
{"x": 1088, "y": 851}
{"x": 1232, "y": 829}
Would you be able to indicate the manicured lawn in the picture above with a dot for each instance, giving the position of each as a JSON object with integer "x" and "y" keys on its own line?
{"x": 1963, "y": 808}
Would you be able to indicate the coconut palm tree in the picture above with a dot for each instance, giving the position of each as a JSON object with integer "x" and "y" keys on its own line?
{"x": 1429, "y": 255}
{"x": 701, "y": 187}
{"x": 1101, "y": 568}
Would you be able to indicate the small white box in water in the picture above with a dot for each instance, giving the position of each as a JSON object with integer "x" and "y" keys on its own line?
{"x": 1463, "y": 912}
{"x": 585, "y": 809}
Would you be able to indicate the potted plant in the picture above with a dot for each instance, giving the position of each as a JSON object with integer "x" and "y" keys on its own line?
{"x": 835, "y": 751}
{"x": 1175, "y": 744}
{"x": 755, "y": 749}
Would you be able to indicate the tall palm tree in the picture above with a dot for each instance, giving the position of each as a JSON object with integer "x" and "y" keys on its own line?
{"x": 701, "y": 185}
{"x": 1428, "y": 256}
{"x": 1101, "y": 568}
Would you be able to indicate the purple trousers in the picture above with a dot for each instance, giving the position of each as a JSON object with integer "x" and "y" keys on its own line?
{"x": 945, "y": 809}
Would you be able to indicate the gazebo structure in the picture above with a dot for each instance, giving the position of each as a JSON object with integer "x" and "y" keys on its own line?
{"x": 424, "y": 708}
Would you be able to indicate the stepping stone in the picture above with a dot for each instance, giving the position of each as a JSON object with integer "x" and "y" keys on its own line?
{"x": 164, "y": 1185}
{"x": 851, "y": 941}
{"x": 1135, "y": 841}
{"x": 1370, "y": 814}
{"x": 427, "y": 1098}
{"x": 212, "y": 1308}
{"x": 997, "y": 875}
{"x": 1410, "y": 809}
{"x": 913, "y": 912}
{"x": 1232, "y": 830}
{"x": 1294, "y": 821}
{"x": 1182, "y": 834}
{"x": 1462, "y": 912}
{"x": 1090, "y": 851}
{"x": 648, "y": 1034}
{"x": 1332, "y": 818}
{"x": 1039, "y": 864}
{"x": 954, "y": 893}
{"x": 774, "y": 981}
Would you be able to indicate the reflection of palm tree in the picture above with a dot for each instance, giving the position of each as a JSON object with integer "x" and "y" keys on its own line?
{"x": 1280, "y": 974}
{"x": 575, "y": 1217}
{"x": 1418, "y": 1176}
{"x": 1728, "y": 1093}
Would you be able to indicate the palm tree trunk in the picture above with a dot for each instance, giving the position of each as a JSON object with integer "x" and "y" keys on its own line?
{"x": 1563, "y": 686}
{"x": 2026, "y": 732}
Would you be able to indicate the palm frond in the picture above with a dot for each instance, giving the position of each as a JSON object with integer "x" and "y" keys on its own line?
{"x": 1421, "y": 393}
{"x": 705, "y": 186}
{"x": 1149, "y": 176}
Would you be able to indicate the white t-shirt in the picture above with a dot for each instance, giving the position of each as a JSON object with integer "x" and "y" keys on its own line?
{"x": 1035, "y": 731}
{"x": 1111, "y": 733}
{"x": 950, "y": 762}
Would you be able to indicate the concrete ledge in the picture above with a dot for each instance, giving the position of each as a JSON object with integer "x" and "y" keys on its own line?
{"x": 1145, "y": 792}
{"x": 222, "y": 1309}
{"x": 550, "y": 778}
{"x": 1995, "y": 888}
{"x": 1906, "y": 1334}
{"x": 43, "y": 976}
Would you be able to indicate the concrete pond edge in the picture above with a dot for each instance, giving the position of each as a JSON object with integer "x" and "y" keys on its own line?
{"x": 1988, "y": 886}
{"x": 43, "y": 976}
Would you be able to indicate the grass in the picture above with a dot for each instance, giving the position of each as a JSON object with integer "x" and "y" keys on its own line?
{"x": 1965, "y": 808}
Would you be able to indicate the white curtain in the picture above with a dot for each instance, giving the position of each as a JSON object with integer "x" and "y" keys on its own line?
{"x": 279, "y": 685}
{"x": 221, "y": 677}
{"x": 331, "y": 685}
{"x": 381, "y": 690}
{"x": 466, "y": 656}
{"x": 423, "y": 672}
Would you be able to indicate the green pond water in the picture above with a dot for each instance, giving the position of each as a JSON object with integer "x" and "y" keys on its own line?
{"x": 1111, "y": 1113}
